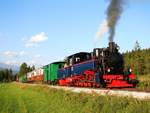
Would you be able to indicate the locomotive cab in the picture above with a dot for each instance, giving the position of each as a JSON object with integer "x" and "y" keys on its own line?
{"x": 78, "y": 58}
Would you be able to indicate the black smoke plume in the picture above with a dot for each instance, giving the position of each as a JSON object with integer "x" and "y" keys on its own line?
{"x": 114, "y": 12}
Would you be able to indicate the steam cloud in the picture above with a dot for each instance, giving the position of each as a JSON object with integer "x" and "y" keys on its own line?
{"x": 114, "y": 11}
{"x": 102, "y": 29}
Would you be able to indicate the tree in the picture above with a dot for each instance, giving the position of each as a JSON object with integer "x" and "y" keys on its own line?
{"x": 1, "y": 75}
{"x": 23, "y": 69}
{"x": 6, "y": 75}
{"x": 33, "y": 67}
{"x": 138, "y": 59}
{"x": 137, "y": 46}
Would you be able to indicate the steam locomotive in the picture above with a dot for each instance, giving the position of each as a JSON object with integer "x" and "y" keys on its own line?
{"x": 104, "y": 67}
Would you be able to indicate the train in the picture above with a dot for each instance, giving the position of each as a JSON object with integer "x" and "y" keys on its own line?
{"x": 103, "y": 67}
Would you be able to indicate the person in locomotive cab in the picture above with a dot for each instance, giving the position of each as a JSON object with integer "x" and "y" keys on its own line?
{"x": 77, "y": 60}
{"x": 127, "y": 71}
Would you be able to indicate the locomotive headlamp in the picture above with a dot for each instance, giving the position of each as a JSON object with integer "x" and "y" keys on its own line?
{"x": 108, "y": 70}
{"x": 130, "y": 70}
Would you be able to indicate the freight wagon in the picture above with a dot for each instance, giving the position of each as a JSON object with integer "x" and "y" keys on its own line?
{"x": 51, "y": 72}
{"x": 23, "y": 78}
{"x": 35, "y": 75}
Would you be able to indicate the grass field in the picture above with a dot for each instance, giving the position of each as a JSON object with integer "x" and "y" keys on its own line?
{"x": 144, "y": 82}
{"x": 22, "y": 98}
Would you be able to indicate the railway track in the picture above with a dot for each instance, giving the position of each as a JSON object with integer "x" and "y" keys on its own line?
{"x": 126, "y": 89}
{"x": 127, "y": 92}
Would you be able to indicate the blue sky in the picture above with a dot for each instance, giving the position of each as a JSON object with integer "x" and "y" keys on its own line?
{"x": 43, "y": 31}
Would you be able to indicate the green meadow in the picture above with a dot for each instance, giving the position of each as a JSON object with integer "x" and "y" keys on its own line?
{"x": 23, "y": 98}
{"x": 144, "y": 82}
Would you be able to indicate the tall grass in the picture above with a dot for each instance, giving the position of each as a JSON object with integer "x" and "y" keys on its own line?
{"x": 21, "y": 98}
{"x": 144, "y": 82}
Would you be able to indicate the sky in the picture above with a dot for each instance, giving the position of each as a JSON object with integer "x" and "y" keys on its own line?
{"x": 39, "y": 32}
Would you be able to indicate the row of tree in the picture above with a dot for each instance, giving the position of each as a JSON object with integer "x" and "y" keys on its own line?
{"x": 138, "y": 59}
{"x": 6, "y": 75}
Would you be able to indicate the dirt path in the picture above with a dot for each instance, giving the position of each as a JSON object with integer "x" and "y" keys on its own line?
{"x": 133, "y": 94}
{"x": 110, "y": 92}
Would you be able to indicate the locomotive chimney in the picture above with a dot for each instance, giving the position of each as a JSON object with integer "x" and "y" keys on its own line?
{"x": 112, "y": 46}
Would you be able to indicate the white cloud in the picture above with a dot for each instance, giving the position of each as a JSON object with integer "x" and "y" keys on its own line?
{"x": 38, "y": 38}
{"x": 22, "y": 53}
{"x": 12, "y": 62}
{"x": 18, "y": 57}
{"x": 12, "y": 54}
{"x": 37, "y": 56}
{"x": 28, "y": 44}
{"x": 34, "y": 40}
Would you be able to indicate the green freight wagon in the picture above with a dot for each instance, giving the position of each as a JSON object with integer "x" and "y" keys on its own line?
{"x": 23, "y": 78}
{"x": 50, "y": 72}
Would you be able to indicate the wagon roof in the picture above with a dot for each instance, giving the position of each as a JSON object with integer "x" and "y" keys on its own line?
{"x": 78, "y": 54}
{"x": 58, "y": 62}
